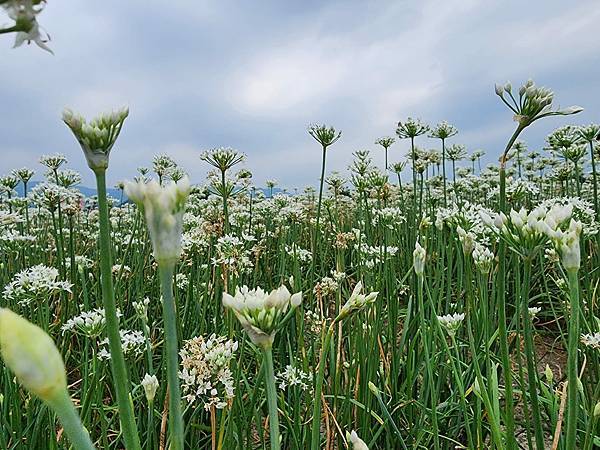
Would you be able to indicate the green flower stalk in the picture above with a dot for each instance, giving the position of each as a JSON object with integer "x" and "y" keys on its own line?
{"x": 223, "y": 159}
{"x": 356, "y": 302}
{"x": 36, "y": 362}
{"x": 326, "y": 136}
{"x": 97, "y": 139}
{"x": 163, "y": 208}
{"x": 410, "y": 130}
{"x": 567, "y": 244}
{"x": 386, "y": 143}
{"x": 261, "y": 314}
{"x": 443, "y": 131}
{"x": 533, "y": 104}
{"x": 589, "y": 134}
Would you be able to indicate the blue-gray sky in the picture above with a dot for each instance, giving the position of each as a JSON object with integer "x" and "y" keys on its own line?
{"x": 252, "y": 75}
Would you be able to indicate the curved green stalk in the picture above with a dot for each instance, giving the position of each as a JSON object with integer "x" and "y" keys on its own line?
{"x": 65, "y": 410}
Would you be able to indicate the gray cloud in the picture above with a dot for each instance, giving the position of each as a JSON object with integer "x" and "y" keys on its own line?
{"x": 252, "y": 75}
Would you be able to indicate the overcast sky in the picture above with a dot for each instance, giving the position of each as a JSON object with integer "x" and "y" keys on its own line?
{"x": 253, "y": 74}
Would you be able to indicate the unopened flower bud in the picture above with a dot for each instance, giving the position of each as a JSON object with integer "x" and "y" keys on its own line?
{"x": 419, "y": 255}
{"x": 30, "y": 353}
{"x": 357, "y": 443}
{"x": 597, "y": 410}
{"x": 150, "y": 385}
{"x": 374, "y": 389}
{"x": 549, "y": 374}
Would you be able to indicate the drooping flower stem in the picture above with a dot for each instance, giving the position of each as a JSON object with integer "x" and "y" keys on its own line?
{"x": 78, "y": 435}
{"x": 271, "y": 398}
{"x": 117, "y": 360}
{"x": 166, "y": 271}
{"x": 572, "y": 390}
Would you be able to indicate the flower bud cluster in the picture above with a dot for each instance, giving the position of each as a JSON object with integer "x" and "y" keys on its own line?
{"x": 260, "y": 313}
{"x": 98, "y": 136}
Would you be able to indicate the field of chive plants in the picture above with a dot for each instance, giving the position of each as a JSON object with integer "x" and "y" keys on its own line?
{"x": 429, "y": 304}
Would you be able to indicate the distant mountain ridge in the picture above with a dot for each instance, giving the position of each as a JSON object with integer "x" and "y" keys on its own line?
{"x": 86, "y": 191}
{"x": 113, "y": 192}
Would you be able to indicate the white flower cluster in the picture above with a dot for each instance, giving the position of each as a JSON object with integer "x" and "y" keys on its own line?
{"x": 36, "y": 283}
{"x": 451, "y": 322}
{"x": 231, "y": 252}
{"x": 525, "y": 230}
{"x": 591, "y": 340}
{"x": 141, "y": 308}
{"x": 98, "y": 136}
{"x": 296, "y": 252}
{"x": 327, "y": 286}
{"x": 374, "y": 255}
{"x": 260, "y": 313}
{"x": 205, "y": 372}
{"x": 88, "y": 323}
{"x": 163, "y": 207}
{"x": 483, "y": 258}
{"x": 357, "y": 300}
{"x": 292, "y": 376}
{"x": 132, "y": 343}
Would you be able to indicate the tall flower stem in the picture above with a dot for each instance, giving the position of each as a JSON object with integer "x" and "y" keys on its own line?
{"x": 316, "y": 425}
{"x": 444, "y": 171}
{"x": 271, "y": 398}
{"x": 572, "y": 399}
{"x": 594, "y": 178}
{"x": 80, "y": 438}
{"x": 117, "y": 360}
{"x": 530, "y": 355}
{"x": 321, "y": 182}
{"x": 166, "y": 271}
{"x": 501, "y": 292}
{"x": 315, "y": 248}
{"x": 225, "y": 209}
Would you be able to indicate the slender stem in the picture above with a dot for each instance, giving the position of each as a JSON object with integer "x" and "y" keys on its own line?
{"x": 572, "y": 394}
{"x": 65, "y": 410}
{"x": 501, "y": 292}
{"x": 225, "y": 209}
{"x": 171, "y": 353}
{"x": 444, "y": 170}
{"x": 316, "y": 425}
{"x": 594, "y": 178}
{"x": 321, "y": 181}
{"x": 271, "y": 399}
{"x": 117, "y": 360}
{"x": 317, "y": 231}
{"x": 530, "y": 355}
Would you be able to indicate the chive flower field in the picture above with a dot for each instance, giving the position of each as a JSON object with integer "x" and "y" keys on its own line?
{"x": 434, "y": 302}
